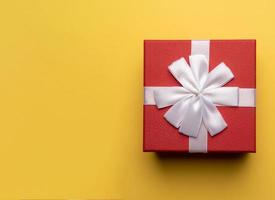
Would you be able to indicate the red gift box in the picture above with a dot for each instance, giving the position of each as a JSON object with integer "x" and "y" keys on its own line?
{"x": 239, "y": 56}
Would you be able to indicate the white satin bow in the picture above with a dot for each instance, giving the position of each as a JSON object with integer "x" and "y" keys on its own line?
{"x": 194, "y": 104}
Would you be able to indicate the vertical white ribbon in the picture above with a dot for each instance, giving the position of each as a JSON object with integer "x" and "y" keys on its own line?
{"x": 199, "y": 144}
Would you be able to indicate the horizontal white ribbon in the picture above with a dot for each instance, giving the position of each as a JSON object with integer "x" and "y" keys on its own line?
{"x": 246, "y": 96}
{"x": 193, "y": 106}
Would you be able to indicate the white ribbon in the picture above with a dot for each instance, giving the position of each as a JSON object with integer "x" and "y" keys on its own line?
{"x": 194, "y": 110}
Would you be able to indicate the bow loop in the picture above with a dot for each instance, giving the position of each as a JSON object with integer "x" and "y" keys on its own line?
{"x": 225, "y": 96}
{"x": 199, "y": 67}
{"x": 218, "y": 77}
{"x": 183, "y": 74}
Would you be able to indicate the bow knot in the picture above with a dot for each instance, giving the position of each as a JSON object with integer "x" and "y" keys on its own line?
{"x": 194, "y": 104}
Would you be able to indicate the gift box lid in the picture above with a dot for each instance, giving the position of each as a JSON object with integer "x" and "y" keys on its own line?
{"x": 239, "y": 56}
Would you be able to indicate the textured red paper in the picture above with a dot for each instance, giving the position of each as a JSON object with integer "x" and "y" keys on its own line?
{"x": 240, "y": 56}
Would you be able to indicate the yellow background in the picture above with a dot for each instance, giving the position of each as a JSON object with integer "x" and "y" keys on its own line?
{"x": 71, "y": 78}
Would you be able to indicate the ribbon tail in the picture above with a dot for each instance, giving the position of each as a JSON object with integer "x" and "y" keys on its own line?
{"x": 169, "y": 96}
{"x": 212, "y": 118}
{"x": 175, "y": 114}
{"x": 192, "y": 118}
